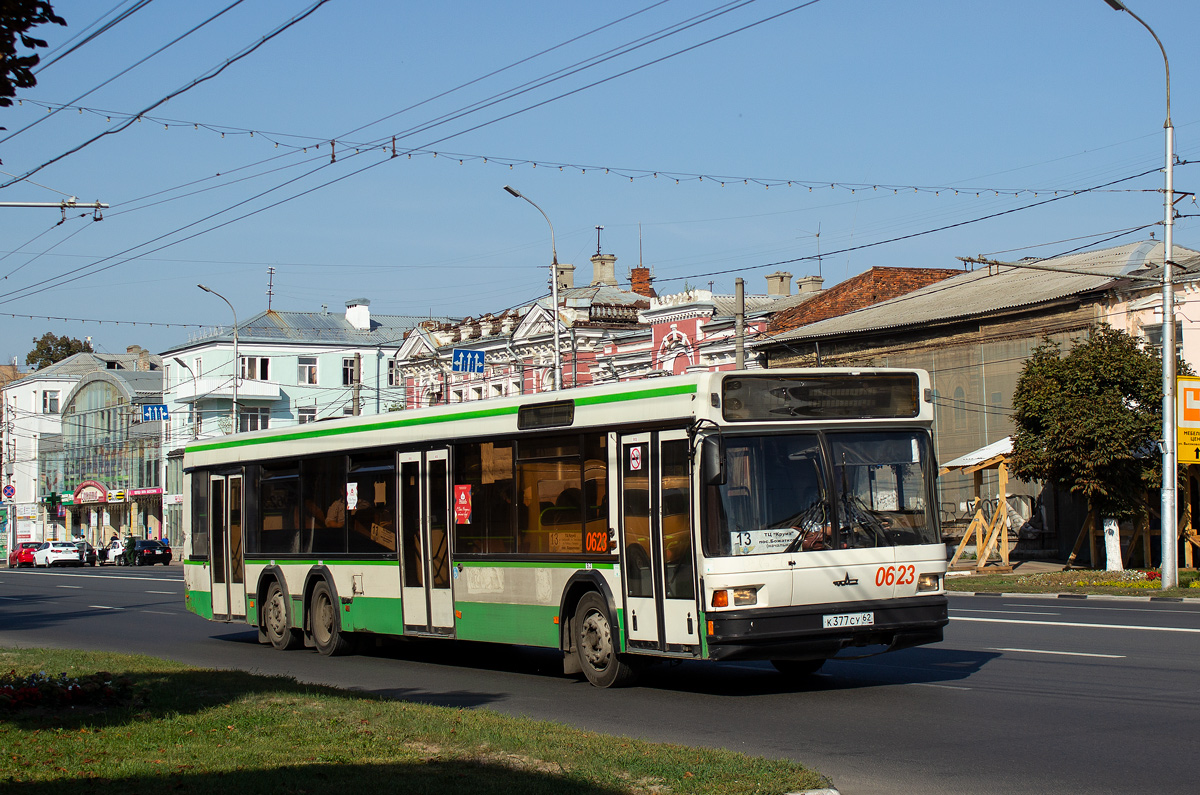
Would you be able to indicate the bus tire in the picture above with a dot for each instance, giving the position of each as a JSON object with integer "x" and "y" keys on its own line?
{"x": 595, "y": 646}
{"x": 324, "y": 622}
{"x": 275, "y": 620}
{"x": 798, "y": 667}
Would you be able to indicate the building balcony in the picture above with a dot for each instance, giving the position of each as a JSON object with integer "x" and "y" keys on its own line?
{"x": 222, "y": 388}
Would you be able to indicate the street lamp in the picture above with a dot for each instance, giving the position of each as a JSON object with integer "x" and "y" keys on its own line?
{"x": 233, "y": 409}
{"x": 1168, "y": 537}
{"x": 557, "y": 378}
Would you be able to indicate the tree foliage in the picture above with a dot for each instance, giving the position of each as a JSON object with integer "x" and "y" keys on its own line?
{"x": 1088, "y": 420}
{"x": 51, "y": 348}
{"x": 16, "y": 18}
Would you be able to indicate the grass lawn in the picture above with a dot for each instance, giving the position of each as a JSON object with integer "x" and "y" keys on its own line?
{"x": 176, "y": 729}
{"x": 1081, "y": 581}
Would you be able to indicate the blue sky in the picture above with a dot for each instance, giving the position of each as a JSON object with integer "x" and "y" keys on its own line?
{"x": 951, "y": 98}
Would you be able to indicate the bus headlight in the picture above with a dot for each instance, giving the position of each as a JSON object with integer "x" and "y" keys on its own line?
{"x": 929, "y": 582}
{"x": 745, "y": 597}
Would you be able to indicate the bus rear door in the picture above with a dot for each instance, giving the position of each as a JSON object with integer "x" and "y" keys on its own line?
{"x": 228, "y": 568}
{"x": 656, "y": 541}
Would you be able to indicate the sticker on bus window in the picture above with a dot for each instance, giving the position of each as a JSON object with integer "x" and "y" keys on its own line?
{"x": 635, "y": 458}
{"x": 462, "y": 504}
{"x": 761, "y": 542}
{"x": 351, "y": 496}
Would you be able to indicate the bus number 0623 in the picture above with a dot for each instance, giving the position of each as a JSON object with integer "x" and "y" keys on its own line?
{"x": 895, "y": 575}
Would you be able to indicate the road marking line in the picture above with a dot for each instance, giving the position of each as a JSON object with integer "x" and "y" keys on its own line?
{"x": 942, "y": 687}
{"x": 169, "y": 593}
{"x": 1118, "y": 609}
{"x": 1063, "y": 653}
{"x": 1075, "y": 624}
{"x": 1004, "y": 612}
{"x": 106, "y": 607}
{"x": 11, "y": 598}
{"x": 159, "y": 613}
{"x": 68, "y": 586}
{"x": 110, "y": 576}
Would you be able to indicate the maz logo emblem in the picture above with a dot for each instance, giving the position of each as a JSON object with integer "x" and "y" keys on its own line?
{"x": 846, "y": 581}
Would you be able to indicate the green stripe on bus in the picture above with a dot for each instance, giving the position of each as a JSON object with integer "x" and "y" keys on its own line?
{"x": 318, "y": 561}
{"x": 524, "y": 625}
{"x": 591, "y": 400}
{"x": 374, "y": 614}
{"x": 199, "y": 602}
{"x": 531, "y": 564}
{"x": 666, "y": 391}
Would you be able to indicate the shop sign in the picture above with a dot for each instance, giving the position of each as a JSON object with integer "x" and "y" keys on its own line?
{"x": 67, "y": 498}
{"x": 172, "y": 499}
{"x": 144, "y": 492}
{"x": 116, "y": 496}
{"x": 91, "y": 491}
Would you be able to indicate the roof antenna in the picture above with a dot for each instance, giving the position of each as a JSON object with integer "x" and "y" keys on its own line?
{"x": 599, "y": 229}
{"x": 270, "y": 285}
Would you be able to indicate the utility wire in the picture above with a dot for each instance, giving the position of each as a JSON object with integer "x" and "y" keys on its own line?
{"x": 209, "y": 75}
{"x": 127, "y": 69}
{"x": 124, "y": 15}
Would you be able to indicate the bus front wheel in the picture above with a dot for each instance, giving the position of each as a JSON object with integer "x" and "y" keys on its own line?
{"x": 324, "y": 622}
{"x": 595, "y": 645}
{"x": 275, "y": 620}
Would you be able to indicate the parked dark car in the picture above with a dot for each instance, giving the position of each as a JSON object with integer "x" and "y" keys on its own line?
{"x": 87, "y": 552}
{"x": 147, "y": 552}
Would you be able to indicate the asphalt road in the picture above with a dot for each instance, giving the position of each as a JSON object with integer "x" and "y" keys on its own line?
{"x": 1025, "y": 695}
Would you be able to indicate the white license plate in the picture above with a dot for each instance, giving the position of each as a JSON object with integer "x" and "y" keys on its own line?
{"x": 847, "y": 620}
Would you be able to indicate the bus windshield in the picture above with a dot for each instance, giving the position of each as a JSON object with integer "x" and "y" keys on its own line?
{"x": 811, "y": 492}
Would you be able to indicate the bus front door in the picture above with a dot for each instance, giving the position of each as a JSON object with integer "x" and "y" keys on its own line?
{"x": 228, "y": 568}
{"x": 426, "y": 596}
{"x": 657, "y": 555}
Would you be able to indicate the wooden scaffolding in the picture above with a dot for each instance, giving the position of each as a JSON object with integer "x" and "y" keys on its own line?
{"x": 991, "y": 535}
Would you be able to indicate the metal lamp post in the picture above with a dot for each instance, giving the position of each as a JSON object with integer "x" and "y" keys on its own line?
{"x": 233, "y": 410}
{"x": 1169, "y": 512}
{"x": 557, "y": 377}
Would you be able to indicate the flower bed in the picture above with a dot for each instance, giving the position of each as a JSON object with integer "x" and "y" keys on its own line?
{"x": 42, "y": 690}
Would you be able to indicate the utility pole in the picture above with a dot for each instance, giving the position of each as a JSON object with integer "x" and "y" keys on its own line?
{"x": 357, "y": 390}
{"x": 739, "y": 324}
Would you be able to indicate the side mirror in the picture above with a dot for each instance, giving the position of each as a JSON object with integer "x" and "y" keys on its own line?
{"x": 712, "y": 461}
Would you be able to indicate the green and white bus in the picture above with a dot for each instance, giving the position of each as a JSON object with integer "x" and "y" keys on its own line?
{"x": 778, "y": 515}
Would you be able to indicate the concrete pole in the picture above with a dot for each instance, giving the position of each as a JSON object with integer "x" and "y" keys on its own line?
{"x": 739, "y": 325}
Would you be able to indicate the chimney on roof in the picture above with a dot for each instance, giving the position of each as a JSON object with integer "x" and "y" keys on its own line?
{"x": 640, "y": 282}
{"x": 358, "y": 313}
{"x": 566, "y": 275}
{"x": 779, "y": 283}
{"x": 604, "y": 270}
{"x": 809, "y": 284}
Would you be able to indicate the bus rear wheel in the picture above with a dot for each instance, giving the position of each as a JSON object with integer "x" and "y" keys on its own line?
{"x": 324, "y": 622}
{"x": 798, "y": 667}
{"x": 275, "y": 620}
{"x": 595, "y": 645}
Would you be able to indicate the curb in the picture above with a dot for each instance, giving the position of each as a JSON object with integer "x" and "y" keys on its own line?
{"x": 1101, "y": 597}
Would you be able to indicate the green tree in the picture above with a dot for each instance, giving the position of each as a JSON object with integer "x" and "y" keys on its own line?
{"x": 51, "y": 348}
{"x": 16, "y": 18}
{"x": 1089, "y": 419}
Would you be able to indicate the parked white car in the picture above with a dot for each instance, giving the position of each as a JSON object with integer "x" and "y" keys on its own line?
{"x": 57, "y": 553}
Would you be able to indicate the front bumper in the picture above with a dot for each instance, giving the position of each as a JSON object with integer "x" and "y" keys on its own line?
{"x": 796, "y": 633}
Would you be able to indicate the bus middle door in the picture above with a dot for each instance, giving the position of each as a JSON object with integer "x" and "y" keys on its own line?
{"x": 427, "y": 598}
{"x": 657, "y": 553}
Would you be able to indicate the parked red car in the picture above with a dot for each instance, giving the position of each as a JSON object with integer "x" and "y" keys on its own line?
{"x": 23, "y": 554}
